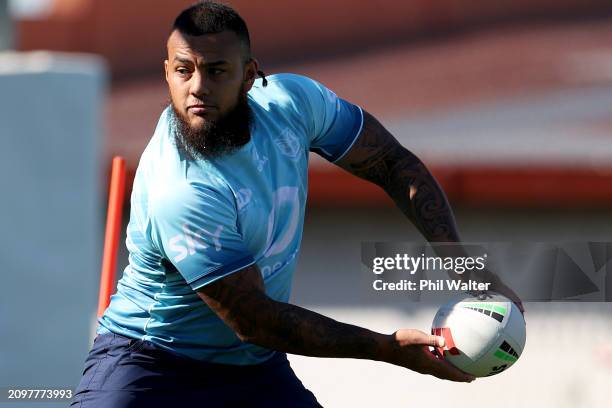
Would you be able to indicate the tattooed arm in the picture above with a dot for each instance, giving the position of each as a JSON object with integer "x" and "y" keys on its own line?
{"x": 378, "y": 157}
{"x": 240, "y": 301}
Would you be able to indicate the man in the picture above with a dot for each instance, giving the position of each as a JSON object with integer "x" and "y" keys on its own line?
{"x": 200, "y": 316}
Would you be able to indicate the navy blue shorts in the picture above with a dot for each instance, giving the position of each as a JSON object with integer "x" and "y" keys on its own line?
{"x": 121, "y": 372}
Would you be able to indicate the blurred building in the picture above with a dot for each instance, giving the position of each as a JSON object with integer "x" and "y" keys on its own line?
{"x": 434, "y": 61}
{"x": 130, "y": 35}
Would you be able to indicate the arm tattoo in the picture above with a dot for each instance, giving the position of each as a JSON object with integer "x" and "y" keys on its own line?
{"x": 240, "y": 301}
{"x": 302, "y": 331}
{"x": 379, "y": 158}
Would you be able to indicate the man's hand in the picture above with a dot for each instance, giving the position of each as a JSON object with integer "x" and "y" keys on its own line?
{"x": 457, "y": 250}
{"x": 412, "y": 351}
{"x": 497, "y": 285}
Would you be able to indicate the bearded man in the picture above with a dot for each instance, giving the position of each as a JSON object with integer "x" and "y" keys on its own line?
{"x": 201, "y": 314}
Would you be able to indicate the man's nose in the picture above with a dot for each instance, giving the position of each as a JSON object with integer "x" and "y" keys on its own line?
{"x": 199, "y": 84}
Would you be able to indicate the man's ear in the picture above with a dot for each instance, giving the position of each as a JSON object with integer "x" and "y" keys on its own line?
{"x": 166, "y": 69}
{"x": 250, "y": 73}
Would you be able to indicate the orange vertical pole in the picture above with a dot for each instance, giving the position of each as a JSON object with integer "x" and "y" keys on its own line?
{"x": 111, "y": 235}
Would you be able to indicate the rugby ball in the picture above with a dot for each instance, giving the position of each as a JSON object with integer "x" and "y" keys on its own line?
{"x": 484, "y": 334}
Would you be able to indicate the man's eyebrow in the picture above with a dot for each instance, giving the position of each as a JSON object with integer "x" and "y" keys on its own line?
{"x": 189, "y": 61}
{"x": 182, "y": 60}
{"x": 215, "y": 63}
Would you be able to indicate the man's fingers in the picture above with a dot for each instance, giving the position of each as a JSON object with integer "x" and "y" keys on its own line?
{"x": 505, "y": 290}
{"x": 420, "y": 338}
{"x": 449, "y": 372}
{"x": 418, "y": 357}
{"x": 435, "y": 341}
{"x": 517, "y": 301}
{"x": 443, "y": 369}
{"x": 519, "y": 304}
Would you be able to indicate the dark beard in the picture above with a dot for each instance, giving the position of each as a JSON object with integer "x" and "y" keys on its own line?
{"x": 216, "y": 137}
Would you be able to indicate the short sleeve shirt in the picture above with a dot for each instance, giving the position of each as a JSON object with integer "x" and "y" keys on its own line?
{"x": 193, "y": 221}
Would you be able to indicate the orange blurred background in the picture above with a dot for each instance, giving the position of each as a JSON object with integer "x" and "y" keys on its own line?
{"x": 398, "y": 60}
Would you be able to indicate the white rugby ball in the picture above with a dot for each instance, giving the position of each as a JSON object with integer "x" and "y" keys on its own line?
{"x": 484, "y": 334}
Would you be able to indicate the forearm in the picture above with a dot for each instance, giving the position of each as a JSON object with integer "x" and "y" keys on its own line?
{"x": 295, "y": 330}
{"x": 419, "y": 196}
{"x": 241, "y": 302}
{"x": 292, "y": 329}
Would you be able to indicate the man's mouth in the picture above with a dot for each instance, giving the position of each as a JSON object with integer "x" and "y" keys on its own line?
{"x": 200, "y": 109}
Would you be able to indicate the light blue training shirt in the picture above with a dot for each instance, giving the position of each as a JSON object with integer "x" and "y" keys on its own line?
{"x": 195, "y": 221}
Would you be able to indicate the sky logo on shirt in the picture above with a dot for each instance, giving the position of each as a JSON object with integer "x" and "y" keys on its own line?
{"x": 185, "y": 244}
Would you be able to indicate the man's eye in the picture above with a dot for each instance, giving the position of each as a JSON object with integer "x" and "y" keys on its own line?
{"x": 215, "y": 71}
{"x": 182, "y": 71}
